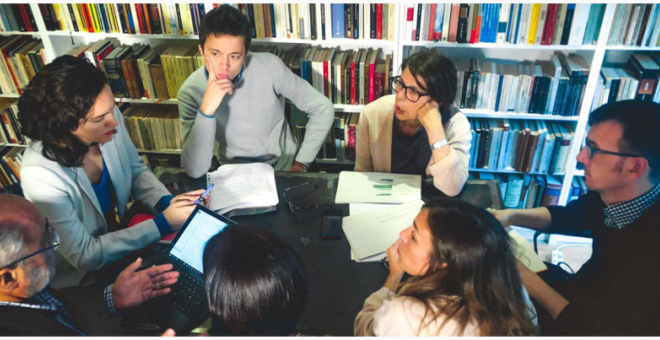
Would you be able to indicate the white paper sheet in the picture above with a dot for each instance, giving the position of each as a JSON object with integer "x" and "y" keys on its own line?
{"x": 373, "y": 232}
{"x": 239, "y": 186}
{"x": 524, "y": 251}
{"x": 375, "y": 187}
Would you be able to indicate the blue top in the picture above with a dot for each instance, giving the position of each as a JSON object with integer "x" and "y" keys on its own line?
{"x": 105, "y": 195}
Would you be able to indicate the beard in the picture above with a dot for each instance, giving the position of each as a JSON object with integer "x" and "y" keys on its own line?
{"x": 38, "y": 277}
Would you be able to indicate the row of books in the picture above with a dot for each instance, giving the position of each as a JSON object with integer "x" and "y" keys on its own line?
{"x": 21, "y": 57}
{"x": 10, "y": 167}
{"x": 529, "y": 146}
{"x": 340, "y": 142}
{"x": 17, "y": 18}
{"x": 153, "y": 127}
{"x": 139, "y": 71}
{"x": 168, "y": 18}
{"x": 527, "y": 24}
{"x": 635, "y": 25}
{"x": 636, "y": 80}
{"x": 547, "y": 87}
{"x": 10, "y": 129}
{"x": 359, "y": 21}
{"x": 523, "y": 191}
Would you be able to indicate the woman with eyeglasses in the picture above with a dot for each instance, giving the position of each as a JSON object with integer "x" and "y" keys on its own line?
{"x": 417, "y": 130}
{"x": 81, "y": 167}
{"x": 463, "y": 279}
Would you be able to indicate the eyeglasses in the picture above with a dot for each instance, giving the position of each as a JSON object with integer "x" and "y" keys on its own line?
{"x": 411, "y": 94}
{"x": 297, "y": 192}
{"x": 591, "y": 150}
{"x": 51, "y": 241}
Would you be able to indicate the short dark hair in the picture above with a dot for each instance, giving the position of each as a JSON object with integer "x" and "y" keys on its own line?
{"x": 53, "y": 104}
{"x": 255, "y": 284}
{"x": 226, "y": 20}
{"x": 640, "y": 122}
{"x": 439, "y": 74}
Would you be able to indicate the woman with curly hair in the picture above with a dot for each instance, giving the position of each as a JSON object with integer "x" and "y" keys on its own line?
{"x": 464, "y": 279}
{"x": 81, "y": 166}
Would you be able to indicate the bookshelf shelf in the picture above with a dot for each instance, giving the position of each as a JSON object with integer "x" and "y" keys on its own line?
{"x": 499, "y": 46}
{"x": 374, "y": 43}
{"x": 162, "y": 152}
{"x": 578, "y": 173}
{"x": 13, "y": 144}
{"x": 36, "y": 34}
{"x": 121, "y": 35}
{"x": 632, "y": 48}
{"x": 9, "y": 95}
{"x": 472, "y": 113}
{"x": 148, "y": 101}
{"x": 331, "y": 161}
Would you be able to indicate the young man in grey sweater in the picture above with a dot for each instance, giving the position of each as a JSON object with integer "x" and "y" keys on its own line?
{"x": 237, "y": 100}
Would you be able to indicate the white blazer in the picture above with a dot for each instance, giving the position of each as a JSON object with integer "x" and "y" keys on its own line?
{"x": 66, "y": 198}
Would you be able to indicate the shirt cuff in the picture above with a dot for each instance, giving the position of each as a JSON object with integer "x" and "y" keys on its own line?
{"x": 163, "y": 226}
{"x": 109, "y": 304}
{"x": 205, "y": 115}
{"x": 164, "y": 203}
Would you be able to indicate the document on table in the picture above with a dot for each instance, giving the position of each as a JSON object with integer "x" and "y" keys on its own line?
{"x": 375, "y": 187}
{"x": 524, "y": 252}
{"x": 371, "y": 233}
{"x": 361, "y": 208}
{"x": 242, "y": 186}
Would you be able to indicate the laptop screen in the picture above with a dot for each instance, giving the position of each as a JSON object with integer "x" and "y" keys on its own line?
{"x": 199, "y": 229}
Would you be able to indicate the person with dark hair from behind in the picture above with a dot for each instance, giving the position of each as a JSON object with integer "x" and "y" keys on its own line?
{"x": 464, "y": 280}
{"x": 616, "y": 291}
{"x": 29, "y": 307}
{"x": 236, "y": 102}
{"x": 81, "y": 167}
{"x": 417, "y": 130}
{"x": 255, "y": 283}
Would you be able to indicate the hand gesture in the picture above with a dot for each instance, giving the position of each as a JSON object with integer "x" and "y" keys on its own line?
{"x": 216, "y": 89}
{"x": 181, "y": 207}
{"x": 501, "y": 216}
{"x": 134, "y": 287}
{"x": 429, "y": 115}
{"x": 393, "y": 259}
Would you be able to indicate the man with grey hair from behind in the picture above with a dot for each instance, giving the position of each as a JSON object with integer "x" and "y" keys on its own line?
{"x": 29, "y": 307}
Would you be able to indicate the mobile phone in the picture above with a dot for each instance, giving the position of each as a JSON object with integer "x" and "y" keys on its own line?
{"x": 331, "y": 224}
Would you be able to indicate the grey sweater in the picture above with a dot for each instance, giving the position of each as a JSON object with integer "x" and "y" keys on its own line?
{"x": 250, "y": 125}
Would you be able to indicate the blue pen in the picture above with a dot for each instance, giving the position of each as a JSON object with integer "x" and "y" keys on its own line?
{"x": 206, "y": 192}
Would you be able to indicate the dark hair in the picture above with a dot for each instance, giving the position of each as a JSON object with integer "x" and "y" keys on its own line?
{"x": 439, "y": 74}
{"x": 226, "y": 20}
{"x": 472, "y": 259}
{"x": 640, "y": 122}
{"x": 53, "y": 104}
{"x": 255, "y": 284}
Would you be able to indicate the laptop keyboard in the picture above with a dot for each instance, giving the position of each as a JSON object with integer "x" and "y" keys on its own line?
{"x": 188, "y": 295}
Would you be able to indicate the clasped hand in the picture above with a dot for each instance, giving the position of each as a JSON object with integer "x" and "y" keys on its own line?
{"x": 134, "y": 287}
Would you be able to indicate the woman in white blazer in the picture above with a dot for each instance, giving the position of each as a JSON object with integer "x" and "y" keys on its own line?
{"x": 464, "y": 280}
{"x": 81, "y": 166}
{"x": 417, "y": 130}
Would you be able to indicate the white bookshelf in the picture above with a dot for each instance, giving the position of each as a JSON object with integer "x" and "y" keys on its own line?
{"x": 58, "y": 42}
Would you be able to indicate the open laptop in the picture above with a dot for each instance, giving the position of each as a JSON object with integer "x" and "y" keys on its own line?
{"x": 185, "y": 307}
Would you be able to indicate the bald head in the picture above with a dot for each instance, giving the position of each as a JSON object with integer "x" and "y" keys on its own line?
{"x": 18, "y": 213}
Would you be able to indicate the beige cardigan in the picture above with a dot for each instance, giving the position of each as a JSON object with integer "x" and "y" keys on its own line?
{"x": 374, "y": 146}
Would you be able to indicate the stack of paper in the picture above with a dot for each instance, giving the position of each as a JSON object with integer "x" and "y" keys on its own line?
{"x": 243, "y": 186}
{"x": 374, "y": 187}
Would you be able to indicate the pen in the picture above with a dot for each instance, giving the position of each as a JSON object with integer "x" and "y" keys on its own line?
{"x": 206, "y": 192}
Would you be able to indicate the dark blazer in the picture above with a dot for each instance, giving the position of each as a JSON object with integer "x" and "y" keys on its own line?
{"x": 85, "y": 304}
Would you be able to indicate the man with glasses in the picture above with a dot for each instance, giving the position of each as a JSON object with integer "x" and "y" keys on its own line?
{"x": 617, "y": 291}
{"x": 28, "y": 306}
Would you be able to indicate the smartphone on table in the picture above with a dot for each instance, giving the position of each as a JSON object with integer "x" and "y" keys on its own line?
{"x": 331, "y": 224}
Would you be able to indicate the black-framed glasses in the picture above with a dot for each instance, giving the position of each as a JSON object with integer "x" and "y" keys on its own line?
{"x": 51, "y": 241}
{"x": 411, "y": 94}
{"x": 591, "y": 150}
